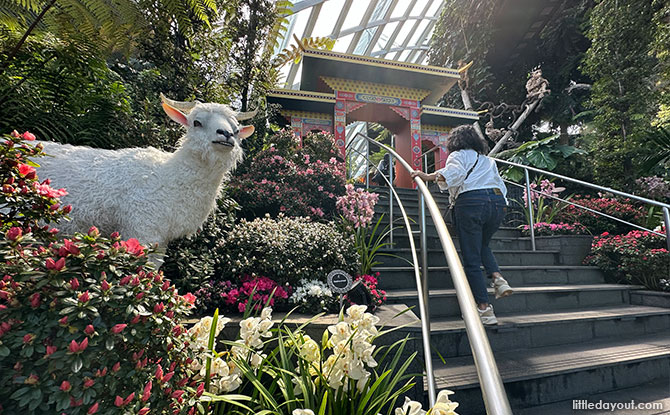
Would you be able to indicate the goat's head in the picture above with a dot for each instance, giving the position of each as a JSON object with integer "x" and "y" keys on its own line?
{"x": 211, "y": 128}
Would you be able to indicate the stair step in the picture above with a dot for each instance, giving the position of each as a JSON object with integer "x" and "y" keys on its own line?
{"x": 389, "y": 258}
{"x": 402, "y": 277}
{"x": 554, "y": 373}
{"x": 525, "y": 299}
{"x": 529, "y": 330}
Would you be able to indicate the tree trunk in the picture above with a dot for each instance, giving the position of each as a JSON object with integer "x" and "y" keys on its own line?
{"x": 468, "y": 106}
{"x": 499, "y": 145}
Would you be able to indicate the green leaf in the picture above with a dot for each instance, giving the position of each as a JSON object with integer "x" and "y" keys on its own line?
{"x": 541, "y": 159}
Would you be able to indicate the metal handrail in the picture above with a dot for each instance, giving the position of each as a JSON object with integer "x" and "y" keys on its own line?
{"x": 423, "y": 303}
{"x": 493, "y": 390}
{"x": 664, "y": 206}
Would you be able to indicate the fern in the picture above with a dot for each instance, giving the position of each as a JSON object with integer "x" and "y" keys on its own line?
{"x": 294, "y": 53}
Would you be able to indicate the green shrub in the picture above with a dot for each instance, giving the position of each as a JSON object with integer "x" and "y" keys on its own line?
{"x": 192, "y": 260}
{"x": 286, "y": 250}
{"x": 86, "y": 325}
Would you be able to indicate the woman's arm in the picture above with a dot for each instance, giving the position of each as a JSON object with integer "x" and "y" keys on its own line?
{"x": 427, "y": 177}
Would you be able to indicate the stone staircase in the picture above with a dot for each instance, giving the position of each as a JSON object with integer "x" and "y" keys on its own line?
{"x": 564, "y": 334}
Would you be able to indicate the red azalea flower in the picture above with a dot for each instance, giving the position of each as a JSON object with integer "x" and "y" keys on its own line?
{"x": 93, "y": 409}
{"x": 65, "y": 386}
{"x": 84, "y": 297}
{"x": 116, "y": 367}
{"x": 14, "y": 233}
{"x": 51, "y": 350}
{"x": 25, "y": 170}
{"x": 55, "y": 265}
{"x": 147, "y": 392}
{"x": 28, "y": 136}
{"x": 88, "y": 382}
{"x": 35, "y": 300}
{"x": 89, "y": 329}
{"x": 118, "y": 328}
{"x": 189, "y": 298}
{"x": 133, "y": 247}
{"x": 143, "y": 411}
{"x": 74, "y": 283}
{"x": 104, "y": 285}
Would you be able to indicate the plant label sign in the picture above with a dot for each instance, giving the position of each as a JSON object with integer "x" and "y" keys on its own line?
{"x": 339, "y": 281}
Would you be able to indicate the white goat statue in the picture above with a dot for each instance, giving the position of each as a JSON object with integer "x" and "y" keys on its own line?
{"x": 145, "y": 193}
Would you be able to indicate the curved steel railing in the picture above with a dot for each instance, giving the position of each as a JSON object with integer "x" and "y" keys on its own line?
{"x": 423, "y": 301}
{"x": 493, "y": 391}
{"x": 664, "y": 206}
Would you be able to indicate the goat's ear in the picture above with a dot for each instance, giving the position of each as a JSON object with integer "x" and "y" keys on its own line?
{"x": 175, "y": 114}
{"x": 246, "y": 131}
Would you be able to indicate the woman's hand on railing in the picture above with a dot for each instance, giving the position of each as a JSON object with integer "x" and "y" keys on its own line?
{"x": 424, "y": 176}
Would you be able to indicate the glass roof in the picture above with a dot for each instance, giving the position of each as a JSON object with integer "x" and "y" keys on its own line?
{"x": 398, "y": 30}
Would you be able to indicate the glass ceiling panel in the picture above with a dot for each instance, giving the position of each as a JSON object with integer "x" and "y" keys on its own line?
{"x": 325, "y": 23}
{"x": 384, "y": 37}
{"x": 400, "y": 8}
{"x": 404, "y": 31}
{"x": 434, "y": 7}
{"x": 356, "y": 12}
{"x": 342, "y": 43}
{"x": 418, "y": 7}
{"x": 416, "y": 37}
{"x": 300, "y": 24}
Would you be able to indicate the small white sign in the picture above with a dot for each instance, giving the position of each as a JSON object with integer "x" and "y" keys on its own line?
{"x": 339, "y": 281}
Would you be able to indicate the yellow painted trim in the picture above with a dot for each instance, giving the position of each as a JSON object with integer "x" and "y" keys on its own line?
{"x": 435, "y": 128}
{"x": 306, "y": 114}
{"x": 386, "y": 90}
{"x": 382, "y": 63}
{"x": 302, "y": 95}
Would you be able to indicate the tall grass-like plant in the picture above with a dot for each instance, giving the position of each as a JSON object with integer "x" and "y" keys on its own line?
{"x": 545, "y": 208}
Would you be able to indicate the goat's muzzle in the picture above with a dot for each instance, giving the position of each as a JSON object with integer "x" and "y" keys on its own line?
{"x": 228, "y": 142}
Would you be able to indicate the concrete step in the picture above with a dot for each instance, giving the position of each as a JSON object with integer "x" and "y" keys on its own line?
{"x": 443, "y": 302}
{"x": 436, "y": 257}
{"x": 402, "y": 277}
{"x": 517, "y": 331}
{"x": 498, "y": 242}
{"x": 551, "y": 374}
{"x": 652, "y": 398}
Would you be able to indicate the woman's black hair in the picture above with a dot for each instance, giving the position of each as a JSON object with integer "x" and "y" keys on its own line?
{"x": 464, "y": 137}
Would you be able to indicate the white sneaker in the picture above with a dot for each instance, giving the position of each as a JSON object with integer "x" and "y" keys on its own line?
{"x": 487, "y": 316}
{"x": 502, "y": 288}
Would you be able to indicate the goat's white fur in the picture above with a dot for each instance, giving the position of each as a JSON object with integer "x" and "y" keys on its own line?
{"x": 145, "y": 193}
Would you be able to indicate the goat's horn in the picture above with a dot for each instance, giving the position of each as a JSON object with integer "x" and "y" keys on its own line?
{"x": 241, "y": 116}
{"x": 183, "y": 106}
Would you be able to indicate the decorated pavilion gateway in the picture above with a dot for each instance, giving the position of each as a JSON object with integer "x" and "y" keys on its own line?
{"x": 337, "y": 89}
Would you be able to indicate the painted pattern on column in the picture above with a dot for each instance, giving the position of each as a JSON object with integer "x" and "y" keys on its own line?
{"x": 296, "y": 127}
{"x": 340, "y": 125}
{"x": 415, "y": 133}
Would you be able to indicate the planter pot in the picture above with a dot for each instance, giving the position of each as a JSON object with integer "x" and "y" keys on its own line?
{"x": 650, "y": 298}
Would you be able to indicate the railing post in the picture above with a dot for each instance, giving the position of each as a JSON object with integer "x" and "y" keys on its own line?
{"x": 529, "y": 201}
{"x": 666, "y": 219}
{"x": 425, "y": 163}
{"x": 367, "y": 165}
{"x": 424, "y": 292}
{"x": 391, "y": 193}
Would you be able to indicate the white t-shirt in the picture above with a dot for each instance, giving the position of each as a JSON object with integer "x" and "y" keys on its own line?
{"x": 484, "y": 176}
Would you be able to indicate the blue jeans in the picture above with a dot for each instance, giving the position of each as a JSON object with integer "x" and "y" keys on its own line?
{"x": 477, "y": 216}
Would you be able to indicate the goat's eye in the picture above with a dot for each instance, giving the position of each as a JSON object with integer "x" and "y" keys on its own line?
{"x": 197, "y": 123}
{"x": 236, "y": 131}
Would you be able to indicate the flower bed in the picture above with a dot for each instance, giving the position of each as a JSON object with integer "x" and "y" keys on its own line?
{"x": 596, "y": 224}
{"x": 293, "y": 180}
{"x": 637, "y": 257}
{"x": 548, "y": 229}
